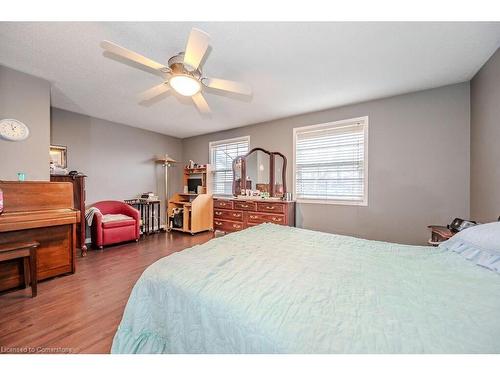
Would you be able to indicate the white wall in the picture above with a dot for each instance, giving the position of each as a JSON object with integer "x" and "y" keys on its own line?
{"x": 485, "y": 141}
{"x": 27, "y": 99}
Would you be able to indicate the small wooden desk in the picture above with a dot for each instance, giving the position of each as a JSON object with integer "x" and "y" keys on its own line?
{"x": 27, "y": 251}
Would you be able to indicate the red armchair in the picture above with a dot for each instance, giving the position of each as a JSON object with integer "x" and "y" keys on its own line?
{"x": 110, "y": 232}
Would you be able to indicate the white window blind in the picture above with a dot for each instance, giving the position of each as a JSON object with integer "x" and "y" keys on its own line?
{"x": 331, "y": 162}
{"x": 222, "y": 154}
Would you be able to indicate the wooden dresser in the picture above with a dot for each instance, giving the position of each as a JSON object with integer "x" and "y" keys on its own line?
{"x": 231, "y": 215}
{"x": 78, "y": 182}
{"x": 42, "y": 212}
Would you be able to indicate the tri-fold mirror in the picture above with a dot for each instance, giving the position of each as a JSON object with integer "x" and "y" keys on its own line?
{"x": 260, "y": 170}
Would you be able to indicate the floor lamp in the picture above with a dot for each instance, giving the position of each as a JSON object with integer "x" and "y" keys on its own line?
{"x": 167, "y": 162}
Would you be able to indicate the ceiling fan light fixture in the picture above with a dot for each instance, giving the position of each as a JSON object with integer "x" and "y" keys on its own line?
{"x": 185, "y": 85}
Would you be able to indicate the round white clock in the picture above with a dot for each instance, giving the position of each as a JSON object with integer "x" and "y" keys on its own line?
{"x": 13, "y": 130}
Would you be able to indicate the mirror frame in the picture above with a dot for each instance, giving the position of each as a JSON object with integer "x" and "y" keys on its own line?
{"x": 272, "y": 156}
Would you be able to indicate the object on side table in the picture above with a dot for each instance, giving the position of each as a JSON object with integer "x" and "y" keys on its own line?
{"x": 115, "y": 231}
{"x": 78, "y": 182}
{"x": 150, "y": 211}
{"x": 41, "y": 211}
{"x": 27, "y": 252}
{"x": 439, "y": 234}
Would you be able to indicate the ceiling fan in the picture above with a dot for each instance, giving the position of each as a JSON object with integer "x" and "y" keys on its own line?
{"x": 183, "y": 73}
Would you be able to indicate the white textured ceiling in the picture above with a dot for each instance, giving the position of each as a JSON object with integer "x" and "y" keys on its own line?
{"x": 292, "y": 67}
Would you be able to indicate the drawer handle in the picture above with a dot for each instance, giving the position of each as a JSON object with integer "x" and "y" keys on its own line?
{"x": 236, "y": 226}
{"x": 270, "y": 207}
{"x": 244, "y": 205}
{"x": 253, "y": 217}
{"x": 236, "y": 215}
{"x": 218, "y": 213}
{"x": 276, "y": 218}
{"x": 222, "y": 204}
{"x": 218, "y": 223}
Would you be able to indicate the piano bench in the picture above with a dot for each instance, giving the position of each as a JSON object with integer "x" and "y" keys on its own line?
{"x": 27, "y": 251}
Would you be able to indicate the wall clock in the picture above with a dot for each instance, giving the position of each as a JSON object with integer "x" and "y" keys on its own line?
{"x": 13, "y": 130}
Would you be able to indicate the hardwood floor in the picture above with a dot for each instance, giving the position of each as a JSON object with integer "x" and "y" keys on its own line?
{"x": 79, "y": 313}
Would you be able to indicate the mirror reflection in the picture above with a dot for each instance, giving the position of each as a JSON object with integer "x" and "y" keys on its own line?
{"x": 279, "y": 165}
{"x": 258, "y": 165}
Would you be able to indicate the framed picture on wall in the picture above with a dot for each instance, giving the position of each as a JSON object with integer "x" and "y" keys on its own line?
{"x": 59, "y": 155}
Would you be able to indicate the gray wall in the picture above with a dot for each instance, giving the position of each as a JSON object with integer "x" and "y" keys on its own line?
{"x": 419, "y": 163}
{"x": 118, "y": 159}
{"x": 27, "y": 99}
{"x": 485, "y": 141}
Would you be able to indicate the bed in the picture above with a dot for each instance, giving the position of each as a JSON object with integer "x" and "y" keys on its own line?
{"x": 277, "y": 289}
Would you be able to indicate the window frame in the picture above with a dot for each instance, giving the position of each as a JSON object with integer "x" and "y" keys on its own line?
{"x": 334, "y": 124}
{"x": 210, "y": 153}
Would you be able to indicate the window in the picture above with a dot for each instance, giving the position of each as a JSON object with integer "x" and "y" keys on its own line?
{"x": 331, "y": 162}
{"x": 222, "y": 154}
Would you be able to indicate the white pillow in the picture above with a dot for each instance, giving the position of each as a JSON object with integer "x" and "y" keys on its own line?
{"x": 480, "y": 244}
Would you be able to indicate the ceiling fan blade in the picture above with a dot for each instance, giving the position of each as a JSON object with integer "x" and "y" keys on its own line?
{"x": 196, "y": 47}
{"x": 131, "y": 55}
{"x": 154, "y": 92}
{"x": 225, "y": 85}
{"x": 201, "y": 103}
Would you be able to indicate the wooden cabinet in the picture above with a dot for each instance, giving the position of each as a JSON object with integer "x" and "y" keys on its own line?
{"x": 231, "y": 215}
{"x": 78, "y": 182}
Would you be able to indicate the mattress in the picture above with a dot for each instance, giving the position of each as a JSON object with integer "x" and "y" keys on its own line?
{"x": 277, "y": 289}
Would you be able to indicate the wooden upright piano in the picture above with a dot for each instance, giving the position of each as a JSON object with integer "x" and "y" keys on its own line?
{"x": 43, "y": 212}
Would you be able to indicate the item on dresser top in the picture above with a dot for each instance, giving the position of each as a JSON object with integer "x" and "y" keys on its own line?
{"x": 58, "y": 156}
{"x": 58, "y": 171}
{"x": 479, "y": 244}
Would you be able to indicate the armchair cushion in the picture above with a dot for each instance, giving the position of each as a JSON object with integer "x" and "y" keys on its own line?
{"x": 108, "y": 218}
{"x": 118, "y": 223}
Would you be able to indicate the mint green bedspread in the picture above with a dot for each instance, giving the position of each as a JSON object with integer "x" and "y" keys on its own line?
{"x": 275, "y": 289}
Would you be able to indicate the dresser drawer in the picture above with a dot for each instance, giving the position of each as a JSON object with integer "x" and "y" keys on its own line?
{"x": 258, "y": 218}
{"x": 247, "y": 206}
{"x": 222, "y": 203}
{"x": 228, "y": 214}
{"x": 270, "y": 207}
{"x": 227, "y": 226}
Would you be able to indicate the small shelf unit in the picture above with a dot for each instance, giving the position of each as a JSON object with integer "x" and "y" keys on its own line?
{"x": 198, "y": 208}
